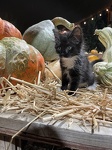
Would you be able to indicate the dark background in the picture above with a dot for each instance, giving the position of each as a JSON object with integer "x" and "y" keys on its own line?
{"x": 24, "y": 13}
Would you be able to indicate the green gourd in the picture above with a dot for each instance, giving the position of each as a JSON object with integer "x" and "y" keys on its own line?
{"x": 103, "y": 69}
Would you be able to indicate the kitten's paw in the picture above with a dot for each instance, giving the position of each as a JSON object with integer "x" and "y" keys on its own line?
{"x": 73, "y": 93}
{"x": 92, "y": 87}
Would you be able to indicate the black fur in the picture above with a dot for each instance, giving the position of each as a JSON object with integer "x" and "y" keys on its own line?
{"x": 76, "y": 69}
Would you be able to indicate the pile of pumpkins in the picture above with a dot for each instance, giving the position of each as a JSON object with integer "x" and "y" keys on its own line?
{"x": 24, "y": 56}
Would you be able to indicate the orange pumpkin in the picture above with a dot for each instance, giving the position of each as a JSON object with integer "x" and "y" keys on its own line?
{"x": 94, "y": 51}
{"x": 92, "y": 57}
{"x": 20, "y": 60}
{"x": 7, "y": 29}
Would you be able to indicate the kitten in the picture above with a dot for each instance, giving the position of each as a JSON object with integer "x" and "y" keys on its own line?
{"x": 76, "y": 69}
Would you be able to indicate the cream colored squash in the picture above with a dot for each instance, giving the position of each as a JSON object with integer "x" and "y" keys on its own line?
{"x": 53, "y": 69}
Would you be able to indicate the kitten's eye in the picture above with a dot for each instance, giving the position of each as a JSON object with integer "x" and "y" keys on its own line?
{"x": 69, "y": 48}
{"x": 58, "y": 48}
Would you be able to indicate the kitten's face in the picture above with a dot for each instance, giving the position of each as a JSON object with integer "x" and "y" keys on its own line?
{"x": 69, "y": 43}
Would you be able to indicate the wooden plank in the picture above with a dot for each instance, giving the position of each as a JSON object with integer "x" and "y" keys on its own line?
{"x": 56, "y": 136}
{"x": 6, "y": 143}
{"x": 5, "y": 140}
{"x": 65, "y": 123}
{"x": 2, "y": 145}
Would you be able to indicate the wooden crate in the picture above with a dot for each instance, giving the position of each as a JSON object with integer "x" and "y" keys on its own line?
{"x": 52, "y": 134}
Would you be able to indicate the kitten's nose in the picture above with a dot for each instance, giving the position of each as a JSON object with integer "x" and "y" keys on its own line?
{"x": 62, "y": 54}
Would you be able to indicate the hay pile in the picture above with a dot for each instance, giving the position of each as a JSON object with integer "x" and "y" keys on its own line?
{"x": 47, "y": 99}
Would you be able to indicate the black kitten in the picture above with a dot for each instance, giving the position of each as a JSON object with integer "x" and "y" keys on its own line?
{"x": 76, "y": 69}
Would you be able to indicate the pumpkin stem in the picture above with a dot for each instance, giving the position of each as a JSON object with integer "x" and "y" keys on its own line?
{"x": 61, "y": 21}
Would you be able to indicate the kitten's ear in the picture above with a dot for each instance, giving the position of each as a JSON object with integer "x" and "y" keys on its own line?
{"x": 77, "y": 32}
{"x": 56, "y": 35}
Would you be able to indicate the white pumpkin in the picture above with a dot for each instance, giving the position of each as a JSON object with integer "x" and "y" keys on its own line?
{"x": 41, "y": 36}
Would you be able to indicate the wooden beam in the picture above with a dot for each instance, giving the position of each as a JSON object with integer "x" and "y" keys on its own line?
{"x": 52, "y": 135}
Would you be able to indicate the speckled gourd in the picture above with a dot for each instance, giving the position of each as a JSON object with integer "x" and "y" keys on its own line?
{"x": 20, "y": 60}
